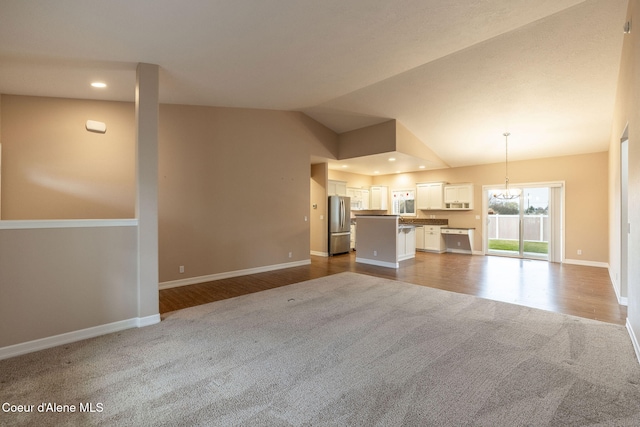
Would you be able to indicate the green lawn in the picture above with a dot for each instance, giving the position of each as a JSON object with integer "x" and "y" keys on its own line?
{"x": 512, "y": 245}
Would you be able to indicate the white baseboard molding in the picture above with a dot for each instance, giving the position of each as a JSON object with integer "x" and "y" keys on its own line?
{"x": 378, "y": 263}
{"x": 586, "y": 263}
{"x": 616, "y": 289}
{"x": 228, "y": 274}
{"x": 634, "y": 340}
{"x": 318, "y": 253}
{"x": 460, "y": 251}
{"x": 477, "y": 253}
{"x": 82, "y": 334}
{"x": 148, "y": 320}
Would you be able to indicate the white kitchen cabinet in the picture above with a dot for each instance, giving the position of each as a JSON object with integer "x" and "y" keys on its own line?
{"x": 359, "y": 198}
{"x": 379, "y": 198}
{"x": 420, "y": 238}
{"x": 337, "y": 188}
{"x": 430, "y": 195}
{"x": 458, "y": 196}
{"x": 406, "y": 242}
{"x": 352, "y": 237}
{"x": 366, "y": 199}
{"x": 433, "y": 239}
{"x": 430, "y": 239}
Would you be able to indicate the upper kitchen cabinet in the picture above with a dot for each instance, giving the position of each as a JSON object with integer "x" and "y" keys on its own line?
{"x": 458, "y": 196}
{"x": 430, "y": 195}
{"x": 337, "y": 188}
{"x": 359, "y": 198}
{"x": 379, "y": 198}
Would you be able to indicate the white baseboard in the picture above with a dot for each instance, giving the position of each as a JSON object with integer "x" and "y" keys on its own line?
{"x": 318, "y": 253}
{"x": 228, "y": 274}
{"x": 82, "y": 334}
{"x": 586, "y": 263}
{"x": 378, "y": 263}
{"x": 147, "y": 321}
{"x": 460, "y": 251}
{"x": 634, "y": 340}
{"x": 616, "y": 289}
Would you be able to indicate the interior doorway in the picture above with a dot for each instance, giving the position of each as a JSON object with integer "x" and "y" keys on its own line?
{"x": 624, "y": 216}
{"x": 525, "y": 226}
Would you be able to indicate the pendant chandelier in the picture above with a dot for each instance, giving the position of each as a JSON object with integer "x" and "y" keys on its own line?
{"x": 507, "y": 193}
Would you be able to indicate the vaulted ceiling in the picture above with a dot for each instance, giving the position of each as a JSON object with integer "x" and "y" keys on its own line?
{"x": 457, "y": 74}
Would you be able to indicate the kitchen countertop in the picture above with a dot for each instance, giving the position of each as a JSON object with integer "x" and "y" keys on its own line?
{"x": 407, "y": 221}
{"x": 424, "y": 221}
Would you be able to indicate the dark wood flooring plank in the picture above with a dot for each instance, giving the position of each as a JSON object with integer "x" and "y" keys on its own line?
{"x": 570, "y": 289}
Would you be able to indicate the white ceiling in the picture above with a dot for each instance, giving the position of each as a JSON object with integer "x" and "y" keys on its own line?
{"x": 457, "y": 74}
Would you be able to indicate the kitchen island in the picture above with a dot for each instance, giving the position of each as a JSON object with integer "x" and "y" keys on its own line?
{"x": 384, "y": 241}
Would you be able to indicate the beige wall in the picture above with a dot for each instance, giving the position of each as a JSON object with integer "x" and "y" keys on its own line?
{"x": 408, "y": 143}
{"x": 60, "y": 280}
{"x": 354, "y": 180}
{"x": 380, "y": 138}
{"x": 234, "y": 183}
{"x": 53, "y": 168}
{"x": 318, "y": 216}
{"x": 234, "y": 189}
{"x": 627, "y": 111}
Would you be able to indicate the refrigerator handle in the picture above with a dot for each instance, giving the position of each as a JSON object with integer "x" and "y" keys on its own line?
{"x": 341, "y": 214}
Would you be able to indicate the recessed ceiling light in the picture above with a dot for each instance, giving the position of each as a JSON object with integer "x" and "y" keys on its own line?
{"x": 392, "y": 159}
{"x": 397, "y": 171}
{"x": 422, "y": 166}
{"x": 344, "y": 166}
{"x": 376, "y": 171}
{"x": 99, "y": 85}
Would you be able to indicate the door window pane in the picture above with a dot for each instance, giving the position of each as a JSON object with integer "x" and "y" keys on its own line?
{"x": 519, "y": 226}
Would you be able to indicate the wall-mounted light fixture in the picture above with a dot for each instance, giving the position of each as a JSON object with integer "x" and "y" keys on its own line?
{"x": 97, "y": 127}
{"x": 627, "y": 27}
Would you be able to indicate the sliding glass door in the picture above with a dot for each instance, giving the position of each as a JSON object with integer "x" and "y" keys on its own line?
{"x": 521, "y": 226}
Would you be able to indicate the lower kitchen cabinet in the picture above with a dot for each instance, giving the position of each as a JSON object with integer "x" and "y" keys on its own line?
{"x": 353, "y": 237}
{"x": 420, "y": 238}
{"x": 429, "y": 238}
{"x": 406, "y": 243}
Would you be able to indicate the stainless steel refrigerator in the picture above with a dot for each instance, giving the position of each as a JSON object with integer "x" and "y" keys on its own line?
{"x": 339, "y": 225}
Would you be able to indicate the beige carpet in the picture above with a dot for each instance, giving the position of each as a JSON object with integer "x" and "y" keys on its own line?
{"x": 342, "y": 350}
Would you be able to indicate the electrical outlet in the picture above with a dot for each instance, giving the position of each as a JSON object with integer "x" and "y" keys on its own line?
{"x": 290, "y": 254}
{"x": 375, "y": 253}
{"x": 579, "y": 251}
{"x": 181, "y": 269}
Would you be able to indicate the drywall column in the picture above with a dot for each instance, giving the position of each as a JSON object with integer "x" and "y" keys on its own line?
{"x": 147, "y": 112}
{"x": 0, "y": 156}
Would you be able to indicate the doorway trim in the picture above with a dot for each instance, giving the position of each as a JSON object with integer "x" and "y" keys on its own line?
{"x": 622, "y": 288}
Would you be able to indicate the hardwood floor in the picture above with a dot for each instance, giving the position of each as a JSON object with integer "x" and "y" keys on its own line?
{"x": 563, "y": 288}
